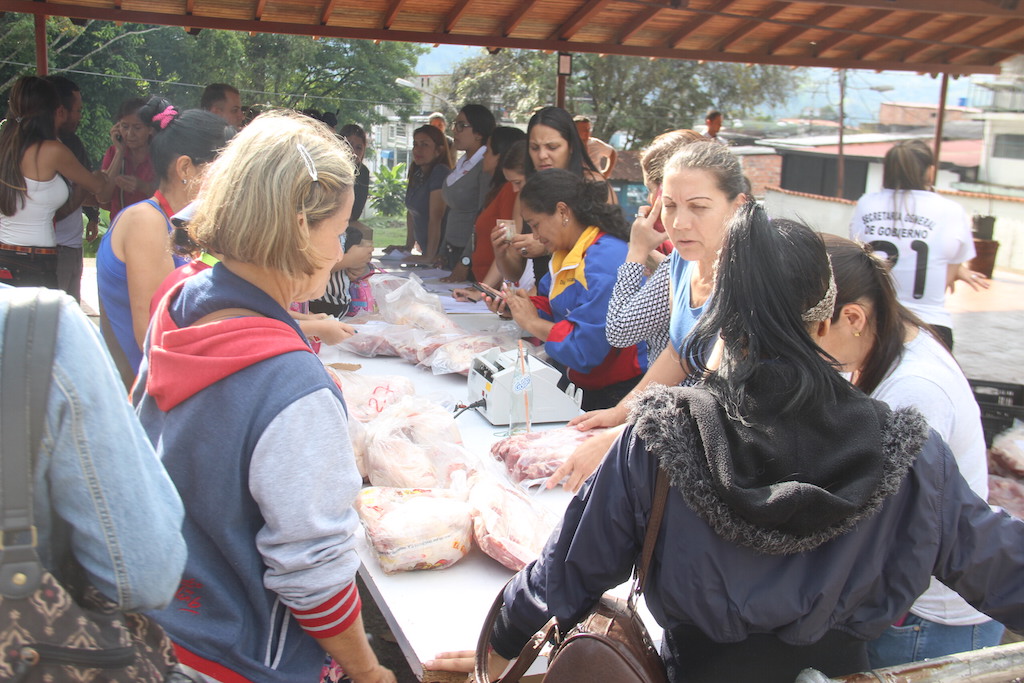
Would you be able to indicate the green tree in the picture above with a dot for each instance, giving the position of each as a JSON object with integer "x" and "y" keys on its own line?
{"x": 111, "y": 63}
{"x": 638, "y": 96}
{"x": 387, "y": 191}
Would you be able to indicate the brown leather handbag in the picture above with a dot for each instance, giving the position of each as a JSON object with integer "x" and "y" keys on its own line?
{"x": 610, "y": 643}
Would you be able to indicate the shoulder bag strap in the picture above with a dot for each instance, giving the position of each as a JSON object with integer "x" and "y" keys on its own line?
{"x": 30, "y": 337}
{"x": 653, "y": 526}
{"x": 481, "y": 673}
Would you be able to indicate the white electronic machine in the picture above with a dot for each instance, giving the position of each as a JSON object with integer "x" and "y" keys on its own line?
{"x": 490, "y": 379}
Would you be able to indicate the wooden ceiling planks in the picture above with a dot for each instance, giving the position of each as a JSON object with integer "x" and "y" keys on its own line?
{"x": 959, "y": 36}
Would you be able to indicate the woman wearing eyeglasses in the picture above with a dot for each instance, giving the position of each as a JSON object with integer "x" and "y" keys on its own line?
{"x": 465, "y": 189}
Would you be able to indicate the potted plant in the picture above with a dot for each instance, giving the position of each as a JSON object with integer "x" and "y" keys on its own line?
{"x": 985, "y": 247}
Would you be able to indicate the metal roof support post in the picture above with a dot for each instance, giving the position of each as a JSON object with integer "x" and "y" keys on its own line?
{"x": 564, "y": 71}
{"x": 41, "y": 57}
{"x": 940, "y": 120}
{"x": 841, "y": 158}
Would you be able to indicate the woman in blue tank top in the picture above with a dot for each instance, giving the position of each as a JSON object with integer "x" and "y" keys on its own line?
{"x": 703, "y": 186}
{"x": 135, "y": 255}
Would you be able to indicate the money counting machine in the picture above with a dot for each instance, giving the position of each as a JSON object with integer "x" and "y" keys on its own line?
{"x": 490, "y": 380}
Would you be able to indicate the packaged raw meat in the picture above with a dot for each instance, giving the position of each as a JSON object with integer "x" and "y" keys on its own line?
{"x": 1007, "y": 453}
{"x": 412, "y": 529}
{"x": 457, "y": 354}
{"x": 532, "y": 458}
{"x": 411, "y": 304}
{"x": 414, "y": 443}
{"x": 373, "y": 338}
{"x": 1007, "y": 494}
{"x": 507, "y": 524}
{"x": 366, "y": 396}
{"x": 357, "y": 435}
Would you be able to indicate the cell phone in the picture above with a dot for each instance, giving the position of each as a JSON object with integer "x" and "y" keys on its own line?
{"x": 489, "y": 291}
{"x": 118, "y": 137}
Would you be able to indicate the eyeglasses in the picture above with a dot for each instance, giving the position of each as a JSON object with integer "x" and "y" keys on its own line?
{"x": 460, "y": 126}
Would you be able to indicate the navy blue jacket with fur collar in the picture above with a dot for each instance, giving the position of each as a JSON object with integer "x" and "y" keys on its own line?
{"x": 827, "y": 522}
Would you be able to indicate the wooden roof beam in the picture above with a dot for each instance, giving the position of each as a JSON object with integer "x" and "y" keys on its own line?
{"x": 327, "y": 11}
{"x": 636, "y": 24}
{"x": 952, "y": 29}
{"x": 261, "y": 7}
{"x": 913, "y": 24}
{"x": 850, "y": 30}
{"x": 515, "y": 19}
{"x": 746, "y": 27}
{"x": 982, "y": 41}
{"x": 455, "y": 15}
{"x": 977, "y": 8}
{"x": 579, "y": 19}
{"x": 795, "y": 32}
{"x": 697, "y": 22}
{"x": 389, "y": 18}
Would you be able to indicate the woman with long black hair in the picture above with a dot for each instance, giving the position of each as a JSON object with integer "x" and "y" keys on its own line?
{"x": 802, "y": 517}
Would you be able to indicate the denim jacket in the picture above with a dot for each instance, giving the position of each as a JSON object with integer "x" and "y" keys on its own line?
{"x": 98, "y": 473}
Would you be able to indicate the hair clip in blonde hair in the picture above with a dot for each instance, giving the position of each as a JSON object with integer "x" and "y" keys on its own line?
{"x": 308, "y": 160}
{"x": 824, "y": 309}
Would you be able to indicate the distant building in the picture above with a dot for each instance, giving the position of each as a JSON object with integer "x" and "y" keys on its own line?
{"x": 914, "y": 115}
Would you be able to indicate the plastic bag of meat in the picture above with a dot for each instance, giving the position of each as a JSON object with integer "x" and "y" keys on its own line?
{"x": 414, "y": 443}
{"x": 366, "y": 396}
{"x": 531, "y": 458}
{"x": 357, "y": 435}
{"x": 373, "y": 338}
{"x": 411, "y": 304}
{"x": 507, "y": 524}
{"x": 413, "y": 529}
{"x": 457, "y": 354}
{"x": 1007, "y": 453}
{"x": 1007, "y": 494}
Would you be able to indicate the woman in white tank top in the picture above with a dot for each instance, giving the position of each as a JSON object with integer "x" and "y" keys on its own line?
{"x": 34, "y": 172}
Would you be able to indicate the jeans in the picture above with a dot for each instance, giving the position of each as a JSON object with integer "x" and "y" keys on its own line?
{"x": 919, "y": 639}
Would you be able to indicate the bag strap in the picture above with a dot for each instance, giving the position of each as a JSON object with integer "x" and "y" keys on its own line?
{"x": 481, "y": 671}
{"x": 532, "y": 649}
{"x": 653, "y": 526}
{"x": 26, "y": 367}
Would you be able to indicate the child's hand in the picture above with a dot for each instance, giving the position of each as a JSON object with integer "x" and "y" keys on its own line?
{"x": 328, "y": 330}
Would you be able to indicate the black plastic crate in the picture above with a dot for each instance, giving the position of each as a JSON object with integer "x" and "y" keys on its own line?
{"x": 996, "y": 419}
{"x": 999, "y": 393}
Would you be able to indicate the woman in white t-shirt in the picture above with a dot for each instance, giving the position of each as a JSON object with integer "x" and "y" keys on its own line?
{"x": 893, "y": 356}
{"x": 926, "y": 237}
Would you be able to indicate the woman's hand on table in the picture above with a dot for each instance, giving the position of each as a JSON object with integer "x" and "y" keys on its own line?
{"x": 608, "y": 417}
{"x": 463, "y": 294}
{"x": 464, "y": 661}
{"x": 583, "y": 462}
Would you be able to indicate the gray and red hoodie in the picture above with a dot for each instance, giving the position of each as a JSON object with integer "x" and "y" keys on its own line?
{"x": 253, "y": 432}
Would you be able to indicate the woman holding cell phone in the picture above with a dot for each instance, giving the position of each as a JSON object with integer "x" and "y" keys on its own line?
{"x": 586, "y": 239}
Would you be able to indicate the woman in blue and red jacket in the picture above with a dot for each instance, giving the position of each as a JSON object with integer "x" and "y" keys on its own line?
{"x": 587, "y": 240}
